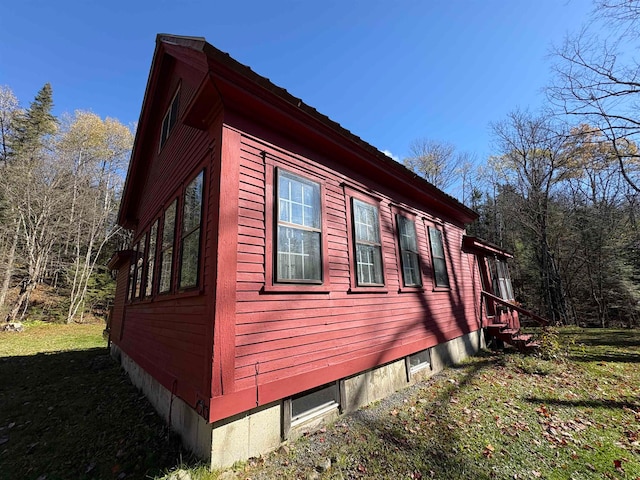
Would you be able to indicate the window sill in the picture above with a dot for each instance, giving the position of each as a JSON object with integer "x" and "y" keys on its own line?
{"x": 314, "y": 413}
{"x": 411, "y": 290}
{"x": 295, "y": 288}
{"x": 441, "y": 289}
{"x": 372, "y": 289}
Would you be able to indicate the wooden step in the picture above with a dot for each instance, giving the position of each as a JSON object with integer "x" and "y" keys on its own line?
{"x": 496, "y": 326}
{"x": 510, "y": 331}
{"x": 521, "y": 338}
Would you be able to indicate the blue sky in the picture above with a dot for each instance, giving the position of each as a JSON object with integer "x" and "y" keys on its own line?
{"x": 389, "y": 71}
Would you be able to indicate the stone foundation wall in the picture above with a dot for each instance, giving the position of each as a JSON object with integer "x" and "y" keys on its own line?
{"x": 260, "y": 430}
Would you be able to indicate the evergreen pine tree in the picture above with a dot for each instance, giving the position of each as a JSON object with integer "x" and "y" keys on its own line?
{"x": 34, "y": 125}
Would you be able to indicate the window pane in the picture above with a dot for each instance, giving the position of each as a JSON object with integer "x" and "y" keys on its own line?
{"x": 411, "y": 269}
{"x": 437, "y": 254}
{"x": 407, "y": 231}
{"x": 140, "y": 265}
{"x": 409, "y": 252}
{"x": 440, "y": 269}
{"x": 436, "y": 242}
{"x": 304, "y": 403}
{"x": 132, "y": 272}
{"x": 369, "y": 265}
{"x": 298, "y": 255}
{"x": 166, "y": 267}
{"x": 169, "y": 225}
{"x": 174, "y": 111}
{"x": 192, "y": 204}
{"x": 153, "y": 239}
{"x": 168, "y": 236}
{"x": 299, "y": 200}
{"x": 190, "y": 256}
{"x": 366, "y": 222}
{"x": 420, "y": 360}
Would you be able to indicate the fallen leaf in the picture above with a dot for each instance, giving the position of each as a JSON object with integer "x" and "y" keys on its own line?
{"x": 617, "y": 463}
{"x": 488, "y": 450}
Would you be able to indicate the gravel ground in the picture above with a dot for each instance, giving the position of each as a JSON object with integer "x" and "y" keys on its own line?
{"x": 308, "y": 457}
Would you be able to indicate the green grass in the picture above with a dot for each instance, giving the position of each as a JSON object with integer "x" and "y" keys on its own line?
{"x": 497, "y": 416}
{"x": 40, "y": 337}
{"x": 67, "y": 411}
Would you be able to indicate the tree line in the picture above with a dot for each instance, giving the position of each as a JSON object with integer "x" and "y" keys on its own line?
{"x": 60, "y": 184}
{"x": 562, "y": 189}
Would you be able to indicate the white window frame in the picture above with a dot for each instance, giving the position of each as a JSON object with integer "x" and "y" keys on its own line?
{"x": 315, "y": 228}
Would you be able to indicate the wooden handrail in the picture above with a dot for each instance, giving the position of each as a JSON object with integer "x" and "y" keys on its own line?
{"x": 542, "y": 321}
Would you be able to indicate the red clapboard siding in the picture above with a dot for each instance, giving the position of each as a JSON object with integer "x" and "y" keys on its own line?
{"x": 170, "y": 335}
{"x": 239, "y": 337}
{"x": 289, "y": 334}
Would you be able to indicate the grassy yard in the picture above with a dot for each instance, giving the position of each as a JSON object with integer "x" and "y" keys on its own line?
{"x": 68, "y": 412}
{"x": 73, "y": 414}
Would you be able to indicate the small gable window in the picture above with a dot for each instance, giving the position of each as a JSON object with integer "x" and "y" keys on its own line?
{"x": 299, "y": 242}
{"x": 368, "y": 248}
{"x": 191, "y": 226}
{"x": 437, "y": 255}
{"x": 169, "y": 119}
{"x": 409, "y": 252}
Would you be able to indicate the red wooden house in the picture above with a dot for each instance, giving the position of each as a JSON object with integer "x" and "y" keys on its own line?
{"x": 282, "y": 269}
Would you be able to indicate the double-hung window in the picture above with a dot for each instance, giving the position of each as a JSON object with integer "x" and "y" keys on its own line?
{"x": 166, "y": 253}
{"x": 151, "y": 255}
{"x": 191, "y": 226}
{"x": 368, "y": 248}
{"x": 437, "y": 256}
{"x": 409, "y": 257}
{"x": 299, "y": 235}
{"x": 140, "y": 261}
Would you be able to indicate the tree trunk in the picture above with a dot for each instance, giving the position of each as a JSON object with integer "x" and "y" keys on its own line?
{"x": 9, "y": 267}
{"x": 22, "y": 302}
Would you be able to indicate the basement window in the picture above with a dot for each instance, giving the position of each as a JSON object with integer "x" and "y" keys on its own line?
{"x": 316, "y": 402}
{"x": 419, "y": 361}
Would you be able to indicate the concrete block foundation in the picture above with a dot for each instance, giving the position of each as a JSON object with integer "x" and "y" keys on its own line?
{"x": 261, "y": 429}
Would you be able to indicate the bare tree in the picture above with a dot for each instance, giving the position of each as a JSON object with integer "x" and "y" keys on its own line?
{"x": 96, "y": 152}
{"x": 597, "y": 80}
{"x": 11, "y": 232}
{"x": 532, "y": 161}
{"x": 438, "y": 162}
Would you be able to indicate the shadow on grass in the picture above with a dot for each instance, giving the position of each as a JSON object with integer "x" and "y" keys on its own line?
{"x": 76, "y": 415}
{"x": 594, "y": 337}
{"x": 633, "y": 404}
{"x": 606, "y": 357}
{"x": 438, "y": 449}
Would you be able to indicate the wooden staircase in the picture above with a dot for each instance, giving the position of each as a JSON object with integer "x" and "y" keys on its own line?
{"x": 503, "y": 333}
{"x": 512, "y": 336}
